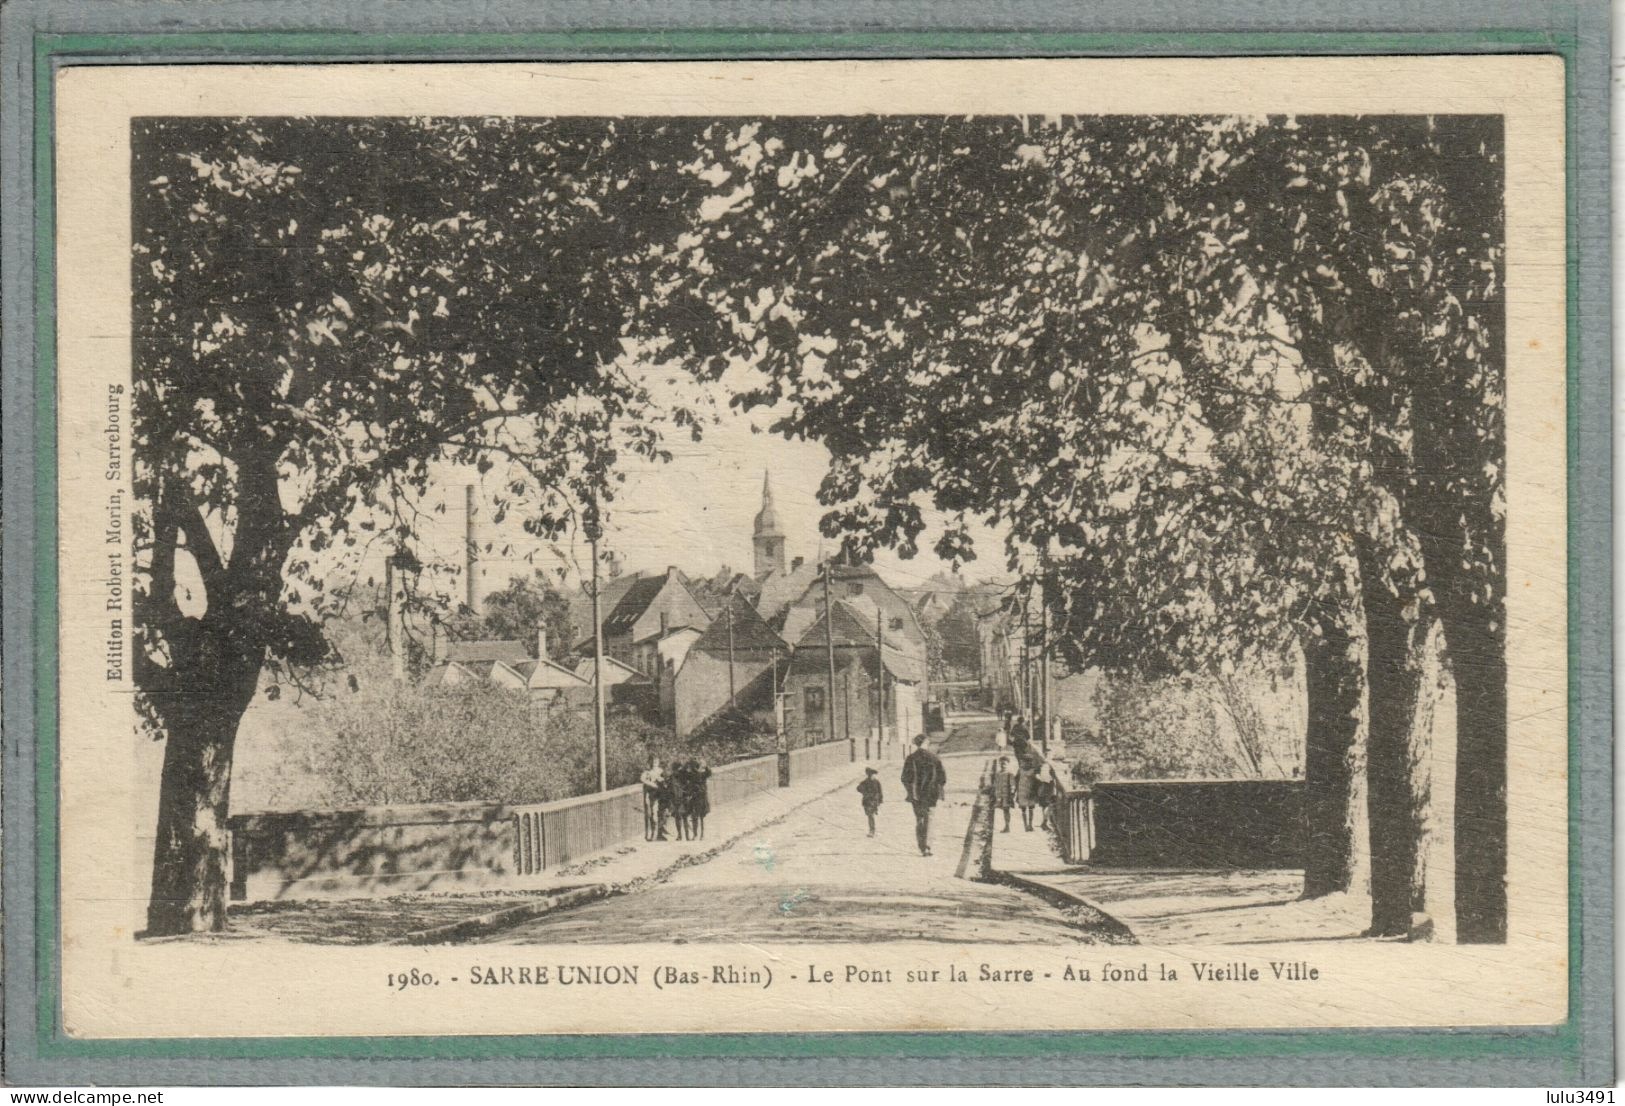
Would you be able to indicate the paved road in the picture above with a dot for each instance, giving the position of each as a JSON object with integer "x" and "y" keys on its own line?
{"x": 971, "y": 737}
{"x": 817, "y": 876}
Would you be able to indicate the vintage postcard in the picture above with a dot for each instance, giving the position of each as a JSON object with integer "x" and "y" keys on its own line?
{"x": 698, "y": 547}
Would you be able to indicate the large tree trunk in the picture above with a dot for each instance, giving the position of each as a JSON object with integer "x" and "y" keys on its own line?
{"x": 188, "y": 864}
{"x": 189, "y": 856}
{"x": 198, "y": 698}
{"x": 1476, "y": 643}
{"x": 1398, "y": 757}
{"x": 1463, "y": 541}
{"x": 1334, "y": 756}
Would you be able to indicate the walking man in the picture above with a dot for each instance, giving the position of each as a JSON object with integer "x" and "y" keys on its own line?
{"x": 924, "y": 780}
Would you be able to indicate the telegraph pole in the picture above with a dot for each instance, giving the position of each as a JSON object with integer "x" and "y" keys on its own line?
{"x": 829, "y": 647}
{"x": 846, "y": 711}
{"x": 731, "y": 693}
{"x": 880, "y": 690}
{"x": 780, "y": 736}
{"x": 1043, "y": 655}
{"x": 395, "y": 626}
{"x": 1027, "y": 655}
{"x": 598, "y": 657}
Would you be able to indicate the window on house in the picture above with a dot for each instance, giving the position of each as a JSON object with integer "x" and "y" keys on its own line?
{"x": 815, "y": 703}
{"x": 897, "y": 623}
{"x": 854, "y": 587}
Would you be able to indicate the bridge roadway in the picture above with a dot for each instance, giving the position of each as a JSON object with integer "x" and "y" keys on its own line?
{"x": 818, "y": 876}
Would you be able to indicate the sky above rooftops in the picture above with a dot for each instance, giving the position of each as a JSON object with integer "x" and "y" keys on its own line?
{"x": 697, "y": 511}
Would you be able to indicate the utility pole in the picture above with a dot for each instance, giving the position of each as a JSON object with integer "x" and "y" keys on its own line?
{"x": 829, "y": 647}
{"x": 731, "y": 693}
{"x": 780, "y": 737}
{"x": 880, "y": 690}
{"x": 396, "y": 620}
{"x": 1043, "y": 672}
{"x": 598, "y": 656}
{"x": 846, "y": 711}
{"x": 1027, "y": 655}
{"x": 471, "y": 558}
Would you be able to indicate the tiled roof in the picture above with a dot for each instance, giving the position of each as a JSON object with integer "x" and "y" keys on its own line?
{"x": 780, "y": 589}
{"x": 550, "y": 675}
{"x": 464, "y": 652}
{"x": 482, "y": 669}
{"x": 750, "y": 631}
{"x": 436, "y": 676}
{"x": 633, "y": 603}
{"x": 613, "y": 590}
{"x": 627, "y": 674}
{"x": 853, "y": 632}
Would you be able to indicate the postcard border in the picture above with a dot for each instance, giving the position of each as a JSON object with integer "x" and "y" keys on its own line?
{"x": 1568, "y": 1052}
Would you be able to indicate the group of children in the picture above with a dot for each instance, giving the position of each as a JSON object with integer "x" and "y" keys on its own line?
{"x": 680, "y": 793}
{"x": 1027, "y": 783}
{"x": 1024, "y": 785}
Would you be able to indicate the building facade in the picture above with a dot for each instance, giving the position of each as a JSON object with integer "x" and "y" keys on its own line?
{"x": 734, "y": 658}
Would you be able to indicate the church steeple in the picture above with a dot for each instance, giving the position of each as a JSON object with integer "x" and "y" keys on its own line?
{"x": 768, "y": 538}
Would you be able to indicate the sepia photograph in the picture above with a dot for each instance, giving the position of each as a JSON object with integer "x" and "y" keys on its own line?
{"x": 1027, "y": 559}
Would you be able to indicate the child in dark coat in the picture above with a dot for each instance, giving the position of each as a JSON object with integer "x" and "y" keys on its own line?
{"x": 870, "y": 790}
{"x": 699, "y": 797}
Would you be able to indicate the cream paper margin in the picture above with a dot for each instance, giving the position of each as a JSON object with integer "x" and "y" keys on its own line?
{"x": 113, "y": 986}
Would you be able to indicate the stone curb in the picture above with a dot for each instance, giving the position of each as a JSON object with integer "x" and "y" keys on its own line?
{"x": 976, "y": 859}
{"x": 491, "y": 922}
{"x": 1079, "y": 911}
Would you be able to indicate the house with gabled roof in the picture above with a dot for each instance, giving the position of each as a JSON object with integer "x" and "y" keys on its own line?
{"x": 485, "y": 649}
{"x": 504, "y": 664}
{"x": 879, "y": 678}
{"x": 648, "y": 610}
{"x": 732, "y": 660}
{"x": 860, "y": 586}
{"x": 488, "y": 673}
{"x": 615, "y": 671}
{"x": 486, "y": 662}
{"x": 548, "y": 679}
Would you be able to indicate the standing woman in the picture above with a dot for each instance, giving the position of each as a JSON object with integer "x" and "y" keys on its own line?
{"x": 1027, "y": 791}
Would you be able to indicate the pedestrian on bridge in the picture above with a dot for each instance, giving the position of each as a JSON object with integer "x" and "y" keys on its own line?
{"x": 1027, "y": 791}
{"x": 656, "y": 801}
{"x": 676, "y": 797}
{"x": 1004, "y": 789}
{"x": 872, "y": 798}
{"x": 697, "y": 802}
{"x": 924, "y": 779}
{"x": 1048, "y": 789}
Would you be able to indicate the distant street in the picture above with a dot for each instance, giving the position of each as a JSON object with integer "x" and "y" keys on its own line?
{"x": 817, "y": 876}
{"x": 974, "y": 734}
